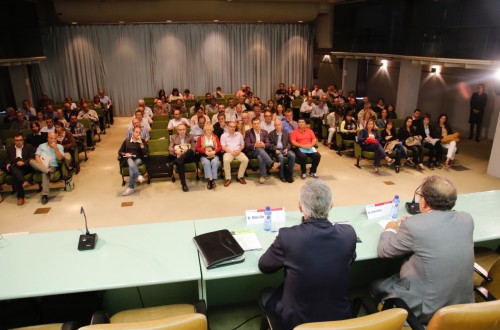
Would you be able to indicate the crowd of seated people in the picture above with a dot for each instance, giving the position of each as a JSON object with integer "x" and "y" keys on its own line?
{"x": 326, "y": 110}
{"x": 56, "y": 138}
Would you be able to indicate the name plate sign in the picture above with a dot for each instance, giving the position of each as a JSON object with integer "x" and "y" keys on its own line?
{"x": 254, "y": 217}
{"x": 379, "y": 210}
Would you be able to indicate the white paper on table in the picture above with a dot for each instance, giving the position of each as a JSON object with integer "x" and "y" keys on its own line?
{"x": 45, "y": 159}
{"x": 254, "y": 217}
{"x": 384, "y": 222}
{"x": 247, "y": 240}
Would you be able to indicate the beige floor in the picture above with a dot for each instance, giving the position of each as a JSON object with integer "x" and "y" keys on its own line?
{"x": 98, "y": 189}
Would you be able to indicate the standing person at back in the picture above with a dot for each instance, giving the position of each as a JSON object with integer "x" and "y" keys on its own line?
{"x": 438, "y": 249}
{"x": 477, "y": 104}
{"x": 316, "y": 257}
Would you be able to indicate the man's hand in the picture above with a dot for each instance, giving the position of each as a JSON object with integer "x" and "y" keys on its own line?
{"x": 19, "y": 163}
{"x": 53, "y": 145}
{"x": 259, "y": 144}
{"x": 278, "y": 152}
{"x": 179, "y": 152}
{"x": 392, "y": 225}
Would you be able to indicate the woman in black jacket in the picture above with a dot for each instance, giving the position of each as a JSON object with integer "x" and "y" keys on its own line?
{"x": 389, "y": 135}
{"x": 406, "y": 132}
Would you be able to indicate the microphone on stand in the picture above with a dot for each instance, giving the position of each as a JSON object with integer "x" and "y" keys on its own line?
{"x": 413, "y": 207}
{"x": 88, "y": 240}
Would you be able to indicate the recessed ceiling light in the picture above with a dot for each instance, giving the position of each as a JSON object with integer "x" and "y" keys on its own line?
{"x": 301, "y": 21}
{"x": 259, "y": 21}
{"x": 216, "y": 20}
{"x": 74, "y": 23}
{"x": 121, "y": 22}
{"x": 169, "y": 21}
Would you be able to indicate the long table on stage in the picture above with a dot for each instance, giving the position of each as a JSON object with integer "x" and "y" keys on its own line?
{"x": 145, "y": 256}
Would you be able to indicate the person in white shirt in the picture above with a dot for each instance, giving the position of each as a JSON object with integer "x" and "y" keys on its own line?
{"x": 331, "y": 122}
{"x": 317, "y": 92}
{"x": 199, "y": 113}
{"x": 268, "y": 123}
{"x": 147, "y": 110}
{"x": 27, "y": 109}
{"x": 173, "y": 123}
{"x": 232, "y": 144}
{"x": 221, "y": 109}
{"x": 108, "y": 109}
{"x": 50, "y": 128}
{"x": 87, "y": 113}
{"x": 317, "y": 115}
{"x": 307, "y": 107}
{"x": 230, "y": 110}
{"x": 144, "y": 121}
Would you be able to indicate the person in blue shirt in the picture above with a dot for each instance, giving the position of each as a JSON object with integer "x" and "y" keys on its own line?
{"x": 47, "y": 159}
{"x": 288, "y": 123}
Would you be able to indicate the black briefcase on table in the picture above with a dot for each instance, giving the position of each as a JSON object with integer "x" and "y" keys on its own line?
{"x": 218, "y": 248}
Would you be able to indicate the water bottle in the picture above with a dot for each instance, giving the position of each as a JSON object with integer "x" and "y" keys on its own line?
{"x": 267, "y": 219}
{"x": 395, "y": 208}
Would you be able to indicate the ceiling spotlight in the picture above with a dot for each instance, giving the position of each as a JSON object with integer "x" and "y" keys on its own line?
{"x": 121, "y": 22}
{"x": 216, "y": 20}
{"x": 384, "y": 63}
{"x": 259, "y": 21}
{"x": 301, "y": 21}
{"x": 436, "y": 69}
{"x": 169, "y": 21}
{"x": 74, "y": 23}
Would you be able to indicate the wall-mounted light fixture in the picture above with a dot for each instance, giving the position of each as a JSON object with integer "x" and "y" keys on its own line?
{"x": 384, "y": 63}
{"x": 436, "y": 69}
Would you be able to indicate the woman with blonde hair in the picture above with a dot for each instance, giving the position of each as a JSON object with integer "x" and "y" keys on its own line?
{"x": 208, "y": 146}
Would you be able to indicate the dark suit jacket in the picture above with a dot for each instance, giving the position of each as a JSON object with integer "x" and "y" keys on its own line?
{"x": 250, "y": 139}
{"x": 285, "y": 140}
{"x": 28, "y": 153}
{"x": 316, "y": 257}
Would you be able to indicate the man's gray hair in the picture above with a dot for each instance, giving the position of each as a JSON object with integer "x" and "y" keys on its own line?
{"x": 439, "y": 193}
{"x": 316, "y": 200}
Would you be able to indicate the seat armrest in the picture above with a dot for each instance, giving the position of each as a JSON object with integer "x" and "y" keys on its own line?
{"x": 482, "y": 272}
{"x": 368, "y": 303}
{"x": 484, "y": 293}
{"x": 412, "y": 320}
{"x": 200, "y": 307}
{"x": 99, "y": 317}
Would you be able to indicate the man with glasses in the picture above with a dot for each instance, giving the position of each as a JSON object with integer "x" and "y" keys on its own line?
{"x": 233, "y": 144}
{"x": 17, "y": 164}
{"x": 438, "y": 252}
{"x": 181, "y": 151}
{"x": 268, "y": 123}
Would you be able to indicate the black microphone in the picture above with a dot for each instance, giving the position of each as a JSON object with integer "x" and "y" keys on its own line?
{"x": 88, "y": 240}
{"x": 413, "y": 207}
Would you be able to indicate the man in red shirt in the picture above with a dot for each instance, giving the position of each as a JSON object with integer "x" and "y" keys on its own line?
{"x": 303, "y": 142}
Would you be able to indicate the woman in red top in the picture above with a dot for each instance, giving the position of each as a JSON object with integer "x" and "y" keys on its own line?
{"x": 208, "y": 146}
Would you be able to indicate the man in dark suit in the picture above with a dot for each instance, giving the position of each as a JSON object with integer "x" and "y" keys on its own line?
{"x": 256, "y": 143}
{"x": 316, "y": 257}
{"x": 181, "y": 151}
{"x": 17, "y": 164}
{"x": 439, "y": 253}
{"x": 281, "y": 148}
